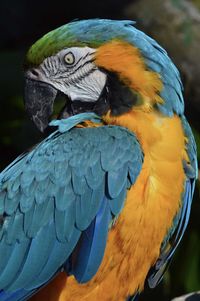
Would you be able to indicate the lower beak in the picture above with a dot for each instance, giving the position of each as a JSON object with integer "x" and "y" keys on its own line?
{"x": 39, "y": 99}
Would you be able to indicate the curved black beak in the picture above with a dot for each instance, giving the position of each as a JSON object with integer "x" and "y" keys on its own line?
{"x": 39, "y": 99}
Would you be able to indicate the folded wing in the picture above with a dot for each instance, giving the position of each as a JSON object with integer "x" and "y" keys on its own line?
{"x": 62, "y": 196}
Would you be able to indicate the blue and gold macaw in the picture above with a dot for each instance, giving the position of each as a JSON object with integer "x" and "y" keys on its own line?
{"x": 99, "y": 206}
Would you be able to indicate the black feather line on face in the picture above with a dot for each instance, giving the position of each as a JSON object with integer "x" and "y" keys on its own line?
{"x": 120, "y": 97}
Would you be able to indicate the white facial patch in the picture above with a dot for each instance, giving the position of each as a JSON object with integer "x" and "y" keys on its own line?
{"x": 89, "y": 88}
{"x": 73, "y": 71}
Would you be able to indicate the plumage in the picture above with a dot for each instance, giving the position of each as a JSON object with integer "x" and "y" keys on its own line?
{"x": 62, "y": 211}
{"x": 107, "y": 196}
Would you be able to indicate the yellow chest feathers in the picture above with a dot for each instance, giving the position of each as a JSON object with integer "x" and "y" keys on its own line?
{"x": 155, "y": 198}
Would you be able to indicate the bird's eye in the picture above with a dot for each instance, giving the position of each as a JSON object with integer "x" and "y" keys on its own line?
{"x": 69, "y": 58}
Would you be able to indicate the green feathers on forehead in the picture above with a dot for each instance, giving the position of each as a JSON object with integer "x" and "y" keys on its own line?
{"x": 91, "y": 33}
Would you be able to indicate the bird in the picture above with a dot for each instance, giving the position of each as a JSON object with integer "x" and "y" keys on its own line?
{"x": 96, "y": 210}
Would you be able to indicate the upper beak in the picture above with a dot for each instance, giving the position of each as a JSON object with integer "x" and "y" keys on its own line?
{"x": 39, "y": 99}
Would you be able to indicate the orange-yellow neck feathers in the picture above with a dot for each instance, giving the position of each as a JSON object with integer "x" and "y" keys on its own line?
{"x": 126, "y": 60}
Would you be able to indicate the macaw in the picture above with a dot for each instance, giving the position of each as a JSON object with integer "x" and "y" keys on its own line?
{"x": 98, "y": 208}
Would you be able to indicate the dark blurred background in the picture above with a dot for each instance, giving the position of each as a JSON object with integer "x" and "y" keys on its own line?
{"x": 175, "y": 24}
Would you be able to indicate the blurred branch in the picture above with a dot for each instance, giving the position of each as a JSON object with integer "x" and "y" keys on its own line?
{"x": 189, "y": 297}
{"x": 175, "y": 25}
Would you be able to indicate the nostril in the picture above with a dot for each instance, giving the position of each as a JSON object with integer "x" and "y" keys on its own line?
{"x": 34, "y": 72}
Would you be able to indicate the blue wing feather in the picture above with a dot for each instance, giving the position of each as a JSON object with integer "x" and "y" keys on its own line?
{"x": 116, "y": 204}
{"x": 91, "y": 245}
{"x": 115, "y": 182}
{"x": 57, "y": 256}
{"x": 19, "y": 295}
{"x": 14, "y": 265}
{"x": 52, "y": 195}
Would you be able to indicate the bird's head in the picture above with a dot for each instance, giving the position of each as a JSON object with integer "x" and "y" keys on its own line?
{"x": 100, "y": 66}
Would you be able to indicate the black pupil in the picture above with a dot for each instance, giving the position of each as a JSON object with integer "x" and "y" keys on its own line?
{"x": 70, "y": 59}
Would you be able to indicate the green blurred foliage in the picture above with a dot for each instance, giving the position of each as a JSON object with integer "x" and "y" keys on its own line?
{"x": 197, "y": 3}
